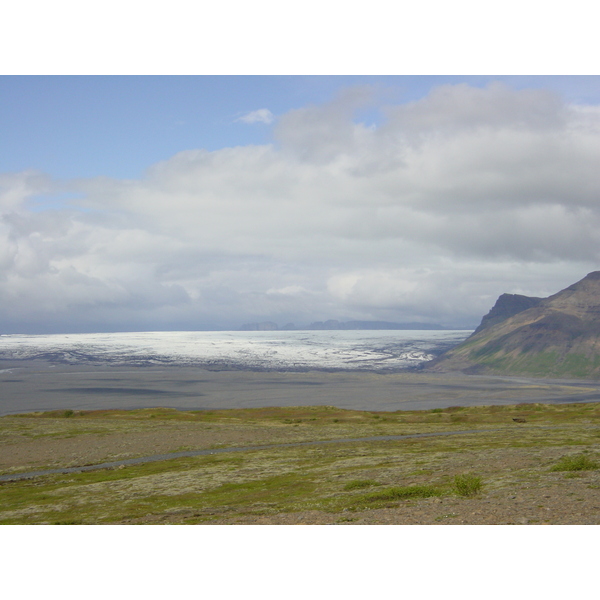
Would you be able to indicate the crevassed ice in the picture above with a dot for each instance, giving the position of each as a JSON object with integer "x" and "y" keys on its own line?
{"x": 261, "y": 349}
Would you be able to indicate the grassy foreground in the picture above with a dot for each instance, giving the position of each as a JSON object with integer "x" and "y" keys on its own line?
{"x": 522, "y": 445}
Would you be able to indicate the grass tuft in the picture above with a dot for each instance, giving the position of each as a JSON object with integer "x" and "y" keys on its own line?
{"x": 575, "y": 462}
{"x": 467, "y": 485}
{"x": 402, "y": 493}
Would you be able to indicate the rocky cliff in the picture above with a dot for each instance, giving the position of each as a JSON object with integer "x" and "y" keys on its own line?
{"x": 506, "y": 306}
{"x": 558, "y": 336}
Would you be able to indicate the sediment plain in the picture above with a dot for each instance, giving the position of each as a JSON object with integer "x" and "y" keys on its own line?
{"x": 37, "y": 385}
{"x": 518, "y": 433}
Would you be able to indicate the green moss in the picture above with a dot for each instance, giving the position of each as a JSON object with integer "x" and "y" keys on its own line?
{"x": 278, "y": 489}
{"x": 359, "y": 484}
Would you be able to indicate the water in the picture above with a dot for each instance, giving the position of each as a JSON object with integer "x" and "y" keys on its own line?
{"x": 247, "y": 350}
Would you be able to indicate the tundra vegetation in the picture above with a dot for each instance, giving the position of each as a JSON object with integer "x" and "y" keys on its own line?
{"x": 506, "y": 450}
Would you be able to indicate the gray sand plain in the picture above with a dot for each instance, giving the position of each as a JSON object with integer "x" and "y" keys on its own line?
{"x": 36, "y": 385}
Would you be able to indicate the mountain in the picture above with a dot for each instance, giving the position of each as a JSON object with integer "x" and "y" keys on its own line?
{"x": 333, "y": 325}
{"x": 558, "y": 336}
{"x": 264, "y": 326}
{"x": 370, "y": 325}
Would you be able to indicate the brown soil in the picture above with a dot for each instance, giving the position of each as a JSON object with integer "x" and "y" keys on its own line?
{"x": 33, "y": 454}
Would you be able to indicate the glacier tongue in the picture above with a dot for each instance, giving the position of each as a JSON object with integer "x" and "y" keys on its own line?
{"x": 272, "y": 350}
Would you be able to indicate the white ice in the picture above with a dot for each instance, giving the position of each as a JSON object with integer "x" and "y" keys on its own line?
{"x": 257, "y": 349}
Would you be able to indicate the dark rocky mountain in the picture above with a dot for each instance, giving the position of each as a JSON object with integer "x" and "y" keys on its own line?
{"x": 370, "y": 325}
{"x": 558, "y": 336}
{"x": 506, "y": 306}
{"x": 264, "y": 326}
{"x": 333, "y": 325}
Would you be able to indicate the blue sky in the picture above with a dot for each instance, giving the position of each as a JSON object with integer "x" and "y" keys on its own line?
{"x": 117, "y": 126}
{"x": 200, "y": 202}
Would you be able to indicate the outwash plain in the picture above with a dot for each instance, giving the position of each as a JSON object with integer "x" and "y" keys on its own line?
{"x": 291, "y": 448}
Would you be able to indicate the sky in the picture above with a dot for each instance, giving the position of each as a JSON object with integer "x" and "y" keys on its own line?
{"x": 207, "y": 202}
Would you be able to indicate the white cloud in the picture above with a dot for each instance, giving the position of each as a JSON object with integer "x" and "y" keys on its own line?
{"x": 453, "y": 200}
{"x": 262, "y": 115}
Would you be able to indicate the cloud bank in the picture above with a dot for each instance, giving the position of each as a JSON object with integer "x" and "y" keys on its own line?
{"x": 429, "y": 216}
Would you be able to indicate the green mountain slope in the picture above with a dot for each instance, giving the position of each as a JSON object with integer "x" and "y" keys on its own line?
{"x": 557, "y": 336}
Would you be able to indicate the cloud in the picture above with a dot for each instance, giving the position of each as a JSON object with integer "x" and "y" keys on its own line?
{"x": 320, "y": 134}
{"x": 451, "y": 201}
{"x": 263, "y": 115}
